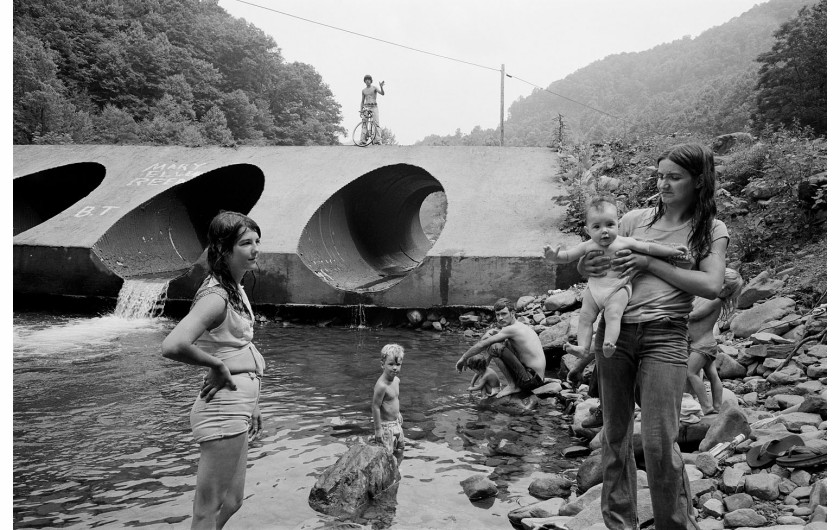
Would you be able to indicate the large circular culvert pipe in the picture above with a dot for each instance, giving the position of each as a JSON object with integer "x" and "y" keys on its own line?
{"x": 368, "y": 235}
{"x": 40, "y": 196}
{"x": 164, "y": 236}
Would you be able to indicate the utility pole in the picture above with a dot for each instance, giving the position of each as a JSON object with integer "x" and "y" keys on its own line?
{"x": 502, "y": 112}
{"x": 559, "y": 129}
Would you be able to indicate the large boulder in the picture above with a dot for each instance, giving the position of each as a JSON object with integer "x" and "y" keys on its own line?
{"x": 730, "y": 422}
{"x": 560, "y": 301}
{"x": 725, "y": 143}
{"x": 539, "y": 510}
{"x": 360, "y": 476}
{"x": 751, "y": 320}
{"x": 759, "y": 288}
{"x": 479, "y": 487}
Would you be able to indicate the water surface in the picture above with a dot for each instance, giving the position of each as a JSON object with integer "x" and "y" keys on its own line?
{"x": 102, "y": 437}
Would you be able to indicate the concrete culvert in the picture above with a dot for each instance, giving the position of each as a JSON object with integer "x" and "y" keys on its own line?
{"x": 41, "y": 196}
{"x": 166, "y": 235}
{"x": 369, "y": 235}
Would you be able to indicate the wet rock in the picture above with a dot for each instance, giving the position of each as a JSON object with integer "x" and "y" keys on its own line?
{"x": 759, "y": 288}
{"x": 577, "y": 505}
{"x": 539, "y": 510}
{"x": 732, "y": 480}
{"x": 738, "y": 501}
{"x": 750, "y": 321}
{"x": 560, "y": 301}
{"x": 574, "y": 451}
{"x": 713, "y": 508}
{"x": 591, "y": 513}
{"x": 800, "y": 477}
{"x": 730, "y": 422}
{"x": 703, "y": 486}
{"x": 764, "y": 486}
{"x": 550, "y": 487}
{"x": 729, "y": 368}
{"x": 523, "y": 302}
{"x": 552, "y": 388}
{"x": 819, "y": 494}
{"x": 479, "y": 487}
{"x": 558, "y": 521}
{"x": 590, "y": 473}
{"x": 786, "y": 376}
{"x": 820, "y": 515}
{"x": 789, "y": 519}
{"x": 359, "y": 476}
{"x": 794, "y": 421}
{"x": 743, "y": 517}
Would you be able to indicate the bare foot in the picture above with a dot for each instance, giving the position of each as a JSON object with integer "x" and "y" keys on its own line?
{"x": 609, "y": 349}
{"x": 508, "y": 390}
{"x": 577, "y": 351}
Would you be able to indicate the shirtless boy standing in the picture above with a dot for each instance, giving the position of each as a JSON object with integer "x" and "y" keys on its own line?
{"x": 387, "y": 420}
{"x": 369, "y": 102}
{"x": 516, "y": 348}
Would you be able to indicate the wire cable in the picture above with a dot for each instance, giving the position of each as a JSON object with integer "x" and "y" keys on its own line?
{"x": 427, "y": 53}
{"x": 371, "y": 38}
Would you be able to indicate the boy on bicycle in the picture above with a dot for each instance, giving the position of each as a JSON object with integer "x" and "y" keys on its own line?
{"x": 369, "y": 102}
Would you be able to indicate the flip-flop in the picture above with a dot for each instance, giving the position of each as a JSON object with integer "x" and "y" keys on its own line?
{"x": 764, "y": 454}
{"x": 803, "y": 456}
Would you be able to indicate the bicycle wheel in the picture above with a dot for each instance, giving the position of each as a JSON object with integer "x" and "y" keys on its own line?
{"x": 361, "y": 137}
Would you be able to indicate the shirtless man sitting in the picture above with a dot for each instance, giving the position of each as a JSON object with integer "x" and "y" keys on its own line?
{"x": 516, "y": 348}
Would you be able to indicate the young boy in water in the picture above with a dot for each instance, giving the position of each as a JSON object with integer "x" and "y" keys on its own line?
{"x": 612, "y": 291}
{"x": 387, "y": 420}
{"x": 485, "y": 379}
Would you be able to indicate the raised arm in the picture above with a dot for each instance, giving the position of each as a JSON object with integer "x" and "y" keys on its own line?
{"x": 382, "y": 87}
{"x": 553, "y": 255}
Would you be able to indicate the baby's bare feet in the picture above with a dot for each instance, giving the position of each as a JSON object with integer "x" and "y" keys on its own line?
{"x": 609, "y": 349}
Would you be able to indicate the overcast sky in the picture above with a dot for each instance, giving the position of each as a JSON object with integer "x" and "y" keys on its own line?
{"x": 539, "y": 41}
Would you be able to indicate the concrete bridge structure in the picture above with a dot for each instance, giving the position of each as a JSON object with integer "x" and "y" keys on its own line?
{"x": 340, "y": 225}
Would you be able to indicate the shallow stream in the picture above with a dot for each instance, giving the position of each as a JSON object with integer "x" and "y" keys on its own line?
{"x": 102, "y": 436}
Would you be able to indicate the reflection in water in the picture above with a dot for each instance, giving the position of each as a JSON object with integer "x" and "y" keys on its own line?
{"x": 102, "y": 438}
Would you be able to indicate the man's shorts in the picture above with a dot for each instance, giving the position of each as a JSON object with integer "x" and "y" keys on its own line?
{"x": 524, "y": 377}
{"x": 392, "y": 436}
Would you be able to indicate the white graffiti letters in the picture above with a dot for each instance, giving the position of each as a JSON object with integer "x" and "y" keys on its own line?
{"x": 163, "y": 174}
{"x": 91, "y": 210}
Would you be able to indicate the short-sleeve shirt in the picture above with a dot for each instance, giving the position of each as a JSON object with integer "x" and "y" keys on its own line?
{"x": 653, "y": 298}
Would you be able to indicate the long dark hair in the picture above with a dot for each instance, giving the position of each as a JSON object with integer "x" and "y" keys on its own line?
{"x": 224, "y": 231}
{"x": 699, "y": 161}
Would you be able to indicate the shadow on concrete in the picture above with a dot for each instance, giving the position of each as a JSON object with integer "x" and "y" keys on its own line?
{"x": 41, "y": 196}
{"x": 164, "y": 236}
{"x": 368, "y": 235}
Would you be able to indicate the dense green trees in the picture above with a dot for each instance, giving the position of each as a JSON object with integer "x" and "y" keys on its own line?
{"x": 702, "y": 86}
{"x": 161, "y": 72}
{"x": 792, "y": 81}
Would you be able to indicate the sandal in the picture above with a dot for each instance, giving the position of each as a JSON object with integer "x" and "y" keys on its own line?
{"x": 804, "y": 456}
{"x": 764, "y": 454}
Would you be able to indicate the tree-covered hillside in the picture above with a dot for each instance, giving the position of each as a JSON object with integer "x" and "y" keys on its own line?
{"x": 160, "y": 72}
{"x": 705, "y": 85}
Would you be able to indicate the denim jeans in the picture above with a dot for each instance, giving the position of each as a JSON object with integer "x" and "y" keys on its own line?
{"x": 654, "y": 356}
{"x": 522, "y": 376}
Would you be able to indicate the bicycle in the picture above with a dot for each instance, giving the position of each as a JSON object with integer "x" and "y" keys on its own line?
{"x": 366, "y": 130}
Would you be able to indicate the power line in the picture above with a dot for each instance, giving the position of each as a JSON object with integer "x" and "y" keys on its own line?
{"x": 564, "y": 97}
{"x": 369, "y": 37}
{"x": 427, "y": 53}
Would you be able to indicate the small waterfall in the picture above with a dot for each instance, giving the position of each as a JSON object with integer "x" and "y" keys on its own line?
{"x": 141, "y": 298}
{"x": 358, "y": 317}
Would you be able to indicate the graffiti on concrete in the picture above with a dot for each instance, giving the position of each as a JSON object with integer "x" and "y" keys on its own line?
{"x": 94, "y": 210}
{"x": 163, "y": 174}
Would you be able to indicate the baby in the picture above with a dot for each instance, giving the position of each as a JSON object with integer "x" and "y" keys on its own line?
{"x": 485, "y": 378}
{"x": 611, "y": 292}
{"x": 387, "y": 420}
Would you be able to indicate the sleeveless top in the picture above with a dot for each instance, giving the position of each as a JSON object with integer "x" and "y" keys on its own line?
{"x": 233, "y": 336}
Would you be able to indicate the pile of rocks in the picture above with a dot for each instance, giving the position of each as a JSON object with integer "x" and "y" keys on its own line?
{"x": 773, "y": 363}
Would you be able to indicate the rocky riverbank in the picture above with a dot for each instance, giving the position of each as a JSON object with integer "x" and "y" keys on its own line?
{"x": 773, "y": 363}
